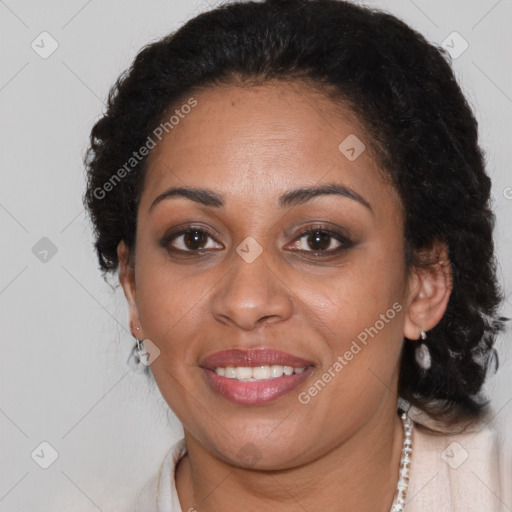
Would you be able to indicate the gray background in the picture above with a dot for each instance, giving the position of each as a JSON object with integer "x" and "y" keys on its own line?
{"x": 65, "y": 339}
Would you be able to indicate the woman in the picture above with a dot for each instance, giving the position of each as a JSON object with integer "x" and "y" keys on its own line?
{"x": 293, "y": 195}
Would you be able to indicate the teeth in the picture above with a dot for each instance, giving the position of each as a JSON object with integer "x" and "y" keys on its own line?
{"x": 260, "y": 372}
{"x": 230, "y": 372}
{"x": 243, "y": 373}
{"x": 246, "y": 373}
{"x": 276, "y": 370}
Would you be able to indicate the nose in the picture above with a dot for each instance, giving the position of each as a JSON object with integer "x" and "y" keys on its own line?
{"x": 252, "y": 294}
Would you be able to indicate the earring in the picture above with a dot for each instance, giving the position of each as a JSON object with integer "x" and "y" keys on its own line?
{"x": 138, "y": 356}
{"x": 422, "y": 354}
{"x": 139, "y": 349}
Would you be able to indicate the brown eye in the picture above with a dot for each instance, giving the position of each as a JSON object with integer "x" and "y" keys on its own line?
{"x": 319, "y": 241}
{"x": 194, "y": 240}
{"x": 322, "y": 242}
{"x": 189, "y": 240}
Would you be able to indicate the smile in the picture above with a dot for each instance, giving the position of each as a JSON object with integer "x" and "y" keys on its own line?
{"x": 266, "y": 372}
{"x": 254, "y": 376}
{"x": 251, "y": 391}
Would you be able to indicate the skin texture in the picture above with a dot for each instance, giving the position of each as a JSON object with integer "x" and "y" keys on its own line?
{"x": 251, "y": 144}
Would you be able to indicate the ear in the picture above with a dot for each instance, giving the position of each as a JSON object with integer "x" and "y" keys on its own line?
{"x": 429, "y": 291}
{"x": 127, "y": 280}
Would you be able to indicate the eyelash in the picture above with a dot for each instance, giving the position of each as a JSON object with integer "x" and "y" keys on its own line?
{"x": 316, "y": 229}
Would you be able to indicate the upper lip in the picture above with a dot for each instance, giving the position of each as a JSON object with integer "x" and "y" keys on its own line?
{"x": 252, "y": 357}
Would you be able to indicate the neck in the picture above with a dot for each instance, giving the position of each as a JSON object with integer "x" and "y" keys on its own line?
{"x": 359, "y": 474}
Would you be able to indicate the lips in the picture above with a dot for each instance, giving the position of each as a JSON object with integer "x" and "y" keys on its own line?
{"x": 245, "y": 392}
{"x": 255, "y": 393}
{"x": 251, "y": 358}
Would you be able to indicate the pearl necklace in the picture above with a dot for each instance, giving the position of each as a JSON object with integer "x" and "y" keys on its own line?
{"x": 405, "y": 463}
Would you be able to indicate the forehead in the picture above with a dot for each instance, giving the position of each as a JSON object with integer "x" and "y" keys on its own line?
{"x": 256, "y": 142}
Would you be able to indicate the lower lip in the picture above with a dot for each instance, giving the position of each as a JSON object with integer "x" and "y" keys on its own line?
{"x": 256, "y": 392}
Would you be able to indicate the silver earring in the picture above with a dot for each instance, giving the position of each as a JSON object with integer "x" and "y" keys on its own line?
{"x": 137, "y": 357}
{"x": 422, "y": 354}
{"x": 139, "y": 348}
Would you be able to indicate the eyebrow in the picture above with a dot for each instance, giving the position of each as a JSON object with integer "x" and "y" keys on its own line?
{"x": 290, "y": 198}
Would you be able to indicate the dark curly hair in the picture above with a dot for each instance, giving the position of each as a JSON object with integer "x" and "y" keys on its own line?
{"x": 422, "y": 130}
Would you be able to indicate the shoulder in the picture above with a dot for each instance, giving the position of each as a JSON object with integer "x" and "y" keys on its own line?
{"x": 159, "y": 493}
{"x": 463, "y": 472}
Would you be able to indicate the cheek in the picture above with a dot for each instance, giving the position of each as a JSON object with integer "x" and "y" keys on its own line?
{"x": 360, "y": 308}
{"x": 368, "y": 286}
{"x": 165, "y": 306}
{"x": 170, "y": 302}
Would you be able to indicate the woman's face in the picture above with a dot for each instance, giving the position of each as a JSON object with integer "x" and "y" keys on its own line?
{"x": 249, "y": 279}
